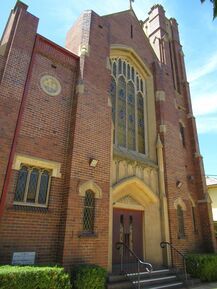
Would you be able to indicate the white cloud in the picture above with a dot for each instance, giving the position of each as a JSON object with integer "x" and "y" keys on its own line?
{"x": 203, "y": 70}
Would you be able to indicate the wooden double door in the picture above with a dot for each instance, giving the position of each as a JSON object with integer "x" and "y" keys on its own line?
{"x": 127, "y": 228}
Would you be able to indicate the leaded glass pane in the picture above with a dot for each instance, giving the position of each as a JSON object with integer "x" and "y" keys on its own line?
{"x": 114, "y": 69}
{"x": 140, "y": 118}
{"x": 133, "y": 74}
{"x": 128, "y": 71}
{"x": 121, "y": 111}
{"x": 141, "y": 84}
{"x": 43, "y": 189}
{"x": 124, "y": 68}
{"x": 137, "y": 83}
{"x": 113, "y": 98}
{"x": 21, "y": 184}
{"x": 119, "y": 66}
{"x": 89, "y": 208}
{"x": 32, "y": 186}
{"x": 131, "y": 116}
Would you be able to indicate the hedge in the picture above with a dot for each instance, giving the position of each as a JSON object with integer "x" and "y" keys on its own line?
{"x": 86, "y": 276}
{"x": 203, "y": 266}
{"x": 31, "y": 277}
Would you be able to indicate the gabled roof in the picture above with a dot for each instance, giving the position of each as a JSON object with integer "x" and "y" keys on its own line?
{"x": 127, "y": 14}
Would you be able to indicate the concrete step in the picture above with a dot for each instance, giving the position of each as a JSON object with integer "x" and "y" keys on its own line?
{"x": 161, "y": 280}
{"x": 158, "y": 279}
{"x": 173, "y": 285}
{"x": 118, "y": 282}
{"x": 153, "y": 274}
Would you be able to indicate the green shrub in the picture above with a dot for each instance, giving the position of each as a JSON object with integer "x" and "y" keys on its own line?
{"x": 31, "y": 277}
{"x": 86, "y": 276}
{"x": 203, "y": 266}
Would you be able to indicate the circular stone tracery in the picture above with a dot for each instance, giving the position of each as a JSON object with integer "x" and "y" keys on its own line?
{"x": 50, "y": 85}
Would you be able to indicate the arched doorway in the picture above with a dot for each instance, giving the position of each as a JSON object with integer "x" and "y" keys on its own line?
{"x": 136, "y": 220}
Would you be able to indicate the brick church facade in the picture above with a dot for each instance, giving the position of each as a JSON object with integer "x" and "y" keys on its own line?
{"x": 98, "y": 142}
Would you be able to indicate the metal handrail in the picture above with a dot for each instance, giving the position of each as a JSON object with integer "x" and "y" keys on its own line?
{"x": 184, "y": 258}
{"x": 148, "y": 266}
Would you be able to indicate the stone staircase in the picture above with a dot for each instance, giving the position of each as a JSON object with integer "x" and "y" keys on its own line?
{"x": 157, "y": 279}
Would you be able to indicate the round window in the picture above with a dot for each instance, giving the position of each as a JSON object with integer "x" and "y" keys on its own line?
{"x": 50, "y": 85}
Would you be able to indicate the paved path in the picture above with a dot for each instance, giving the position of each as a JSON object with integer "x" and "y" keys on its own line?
{"x": 212, "y": 285}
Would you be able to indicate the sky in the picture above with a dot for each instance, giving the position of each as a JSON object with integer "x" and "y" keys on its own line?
{"x": 198, "y": 33}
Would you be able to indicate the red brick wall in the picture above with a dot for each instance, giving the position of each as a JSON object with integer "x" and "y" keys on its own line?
{"x": 92, "y": 139}
{"x": 46, "y": 132}
{"x": 180, "y": 161}
{"x": 121, "y": 34}
{"x": 13, "y": 80}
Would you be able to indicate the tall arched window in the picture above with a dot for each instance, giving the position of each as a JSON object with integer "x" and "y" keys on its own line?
{"x": 128, "y": 105}
{"x": 180, "y": 220}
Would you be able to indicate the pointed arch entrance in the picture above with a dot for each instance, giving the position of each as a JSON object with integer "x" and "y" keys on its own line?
{"x": 133, "y": 206}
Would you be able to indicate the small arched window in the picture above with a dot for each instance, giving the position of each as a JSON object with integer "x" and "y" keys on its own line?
{"x": 89, "y": 212}
{"x": 194, "y": 219}
{"x": 180, "y": 220}
{"x": 182, "y": 133}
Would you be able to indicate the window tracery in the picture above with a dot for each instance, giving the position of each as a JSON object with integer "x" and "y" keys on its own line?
{"x": 32, "y": 187}
{"x": 128, "y": 105}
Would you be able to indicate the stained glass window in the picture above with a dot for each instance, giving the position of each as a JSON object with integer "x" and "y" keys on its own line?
{"x": 89, "y": 212}
{"x": 127, "y": 94}
{"x": 32, "y": 186}
{"x": 131, "y": 135}
{"x": 121, "y": 111}
{"x": 21, "y": 184}
{"x": 140, "y": 120}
